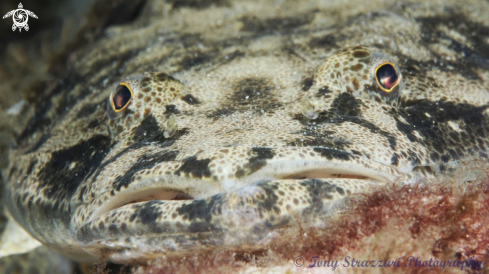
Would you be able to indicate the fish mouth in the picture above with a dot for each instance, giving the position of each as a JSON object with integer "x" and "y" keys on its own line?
{"x": 151, "y": 189}
{"x": 150, "y": 219}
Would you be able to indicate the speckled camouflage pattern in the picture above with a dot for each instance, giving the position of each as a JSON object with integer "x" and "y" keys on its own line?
{"x": 274, "y": 123}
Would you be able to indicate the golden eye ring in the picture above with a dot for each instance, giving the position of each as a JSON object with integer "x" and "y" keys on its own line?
{"x": 121, "y": 97}
{"x": 389, "y": 77}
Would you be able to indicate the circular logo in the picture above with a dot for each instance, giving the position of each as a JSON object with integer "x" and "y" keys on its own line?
{"x": 20, "y": 17}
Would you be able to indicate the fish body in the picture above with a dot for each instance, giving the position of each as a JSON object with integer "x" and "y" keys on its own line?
{"x": 171, "y": 139}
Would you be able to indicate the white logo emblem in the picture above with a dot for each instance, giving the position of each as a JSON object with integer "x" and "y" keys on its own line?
{"x": 20, "y": 16}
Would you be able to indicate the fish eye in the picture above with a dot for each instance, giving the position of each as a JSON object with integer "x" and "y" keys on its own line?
{"x": 120, "y": 97}
{"x": 387, "y": 77}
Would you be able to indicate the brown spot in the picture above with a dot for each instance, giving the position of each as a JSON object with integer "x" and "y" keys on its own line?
{"x": 276, "y": 210}
{"x": 140, "y": 95}
{"x": 146, "y": 112}
{"x": 360, "y": 54}
{"x": 356, "y": 67}
{"x": 355, "y": 83}
{"x": 240, "y": 173}
{"x": 172, "y": 89}
{"x": 147, "y": 99}
{"x": 146, "y": 89}
{"x": 337, "y": 65}
{"x": 159, "y": 89}
{"x": 173, "y": 215}
{"x": 158, "y": 100}
{"x": 281, "y": 193}
{"x": 296, "y": 201}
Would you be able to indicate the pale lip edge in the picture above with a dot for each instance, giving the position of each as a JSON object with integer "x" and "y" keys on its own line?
{"x": 140, "y": 250}
{"x": 153, "y": 189}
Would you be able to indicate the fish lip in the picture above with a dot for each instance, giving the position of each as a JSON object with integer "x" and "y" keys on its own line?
{"x": 280, "y": 170}
{"x": 205, "y": 223}
{"x": 106, "y": 209}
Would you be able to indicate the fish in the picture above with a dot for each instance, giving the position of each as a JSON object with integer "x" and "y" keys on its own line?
{"x": 183, "y": 136}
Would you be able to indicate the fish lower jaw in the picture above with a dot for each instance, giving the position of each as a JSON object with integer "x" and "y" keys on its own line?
{"x": 151, "y": 220}
{"x": 179, "y": 188}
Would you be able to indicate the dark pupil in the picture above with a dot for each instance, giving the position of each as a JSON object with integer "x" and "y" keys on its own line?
{"x": 121, "y": 97}
{"x": 387, "y": 76}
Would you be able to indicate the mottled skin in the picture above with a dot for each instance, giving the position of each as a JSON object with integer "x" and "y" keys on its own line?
{"x": 252, "y": 126}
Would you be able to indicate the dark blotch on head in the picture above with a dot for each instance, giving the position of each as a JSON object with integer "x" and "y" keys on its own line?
{"x": 331, "y": 154}
{"x": 249, "y": 90}
{"x": 147, "y": 213}
{"x": 256, "y": 162}
{"x": 59, "y": 180}
{"x": 253, "y": 94}
{"x": 346, "y": 104}
{"x": 474, "y": 57}
{"x": 323, "y": 91}
{"x": 259, "y": 161}
{"x": 319, "y": 191}
{"x": 194, "y": 59}
{"x": 142, "y": 163}
{"x": 201, "y": 209}
{"x": 149, "y": 130}
{"x": 194, "y": 167}
{"x": 437, "y": 136}
{"x": 307, "y": 83}
{"x": 284, "y": 24}
{"x": 171, "y": 109}
{"x": 221, "y": 112}
{"x": 345, "y": 108}
{"x": 327, "y": 41}
{"x": 395, "y": 160}
{"x": 191, "y": 100}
